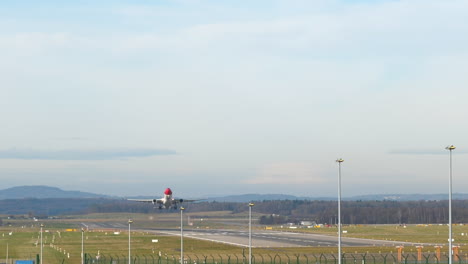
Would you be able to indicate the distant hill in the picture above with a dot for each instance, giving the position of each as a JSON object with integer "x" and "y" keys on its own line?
{"x": 407, "y": 197}
{"x": 41, "y": 192}
{"x": 244, "y": 198}
{"x": 44, "y": 201}
{"x": 45, "y": 192}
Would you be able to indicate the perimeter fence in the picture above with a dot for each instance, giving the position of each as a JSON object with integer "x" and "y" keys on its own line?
{"x": 347, "y": 258}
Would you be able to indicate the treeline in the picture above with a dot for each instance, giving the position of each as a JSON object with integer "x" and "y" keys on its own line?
{"x": 367, "y": 212}
{"x": 272, "y": 219}
{"x": 43, "y": 208}
{"x": 324, "y": 212}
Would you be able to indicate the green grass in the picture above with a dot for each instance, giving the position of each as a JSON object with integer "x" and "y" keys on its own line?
{"x": 24, "y": 241}
{"x": 437, "y": 234}
{"x": 59, "y": 244}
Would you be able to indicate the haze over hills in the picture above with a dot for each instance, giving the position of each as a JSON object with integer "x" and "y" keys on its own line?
{"x": 44, "y": 201}
{"x": 369, "y": 197}
{"x": 42, "y": 192}
{"x": 245, "y": 198}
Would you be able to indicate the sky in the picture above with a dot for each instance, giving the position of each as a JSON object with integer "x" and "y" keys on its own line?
{"x": 215, "y": 97}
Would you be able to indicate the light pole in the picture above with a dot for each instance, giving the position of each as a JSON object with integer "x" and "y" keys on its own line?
{"x": 41, "y": 242}
{"x": 450, "y": 148}
{"x": 339, "y": 209}
{"x": 130, "y": 221}
{"x": 182, "y": 235}
{"x": 82, "y": 245}
{"x": 250, "y": 232}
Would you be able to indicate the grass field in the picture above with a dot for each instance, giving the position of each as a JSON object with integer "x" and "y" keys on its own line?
{"x": 437, "y": 234}
{"x": 22, "y": 237}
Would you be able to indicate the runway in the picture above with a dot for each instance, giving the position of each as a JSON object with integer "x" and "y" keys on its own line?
{"x": 263, "y": 238}
{"x": 276, "y": 239}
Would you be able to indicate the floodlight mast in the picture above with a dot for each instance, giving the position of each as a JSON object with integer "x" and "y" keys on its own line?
{"x": 82, "y": 245}
{"x": 130, "y": 221}
{"x": 42, "y": 225}
{"x": 450, "y": 148}
{"x": 339, "y": 209}
{"x": 181, "y": 235}
{"x": 250, "y": 232}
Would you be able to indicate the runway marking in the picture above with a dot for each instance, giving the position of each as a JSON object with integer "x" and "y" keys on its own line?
{"x": 270, "y": 239}
{"x": 206, "y": 239}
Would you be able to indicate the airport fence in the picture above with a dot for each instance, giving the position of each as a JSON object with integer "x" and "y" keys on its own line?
{"x": 427, "y": 258}
{"x": 365, "y": 258}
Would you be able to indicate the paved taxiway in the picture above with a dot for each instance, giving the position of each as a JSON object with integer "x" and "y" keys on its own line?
{"x": 277, "y": 239}
{"x": 263, "y": 238}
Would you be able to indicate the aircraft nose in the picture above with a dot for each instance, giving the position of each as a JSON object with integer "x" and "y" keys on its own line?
{"x": 168, "y": 191}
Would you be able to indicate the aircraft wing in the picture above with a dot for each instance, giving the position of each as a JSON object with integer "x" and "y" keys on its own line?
{"x": 177, "y": 200}
{"x": 185, "y": 200}
{"x": 154, "y": 201}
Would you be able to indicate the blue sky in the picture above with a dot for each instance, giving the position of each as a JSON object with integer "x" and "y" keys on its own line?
{"x": 224, "y": 97}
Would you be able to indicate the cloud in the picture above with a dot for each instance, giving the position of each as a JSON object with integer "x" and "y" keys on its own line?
{"x": 368, "y": 28}
{"x": 74, "y": 154}
{"x": 287, "y": 173}
{"x": 33, "y": 43}
{"x": 441, "y": 151}
{"x": 71, "y": 138}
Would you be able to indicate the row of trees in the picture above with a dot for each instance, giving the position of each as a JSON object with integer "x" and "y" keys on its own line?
{"x": 353, "y": 212}
{"x": 368, "y": 212}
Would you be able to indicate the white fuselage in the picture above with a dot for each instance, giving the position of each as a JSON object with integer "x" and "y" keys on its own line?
{"x": 167, "y": 200}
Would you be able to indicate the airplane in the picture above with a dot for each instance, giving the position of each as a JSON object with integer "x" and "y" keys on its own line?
{"x": 167, "y": 201}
